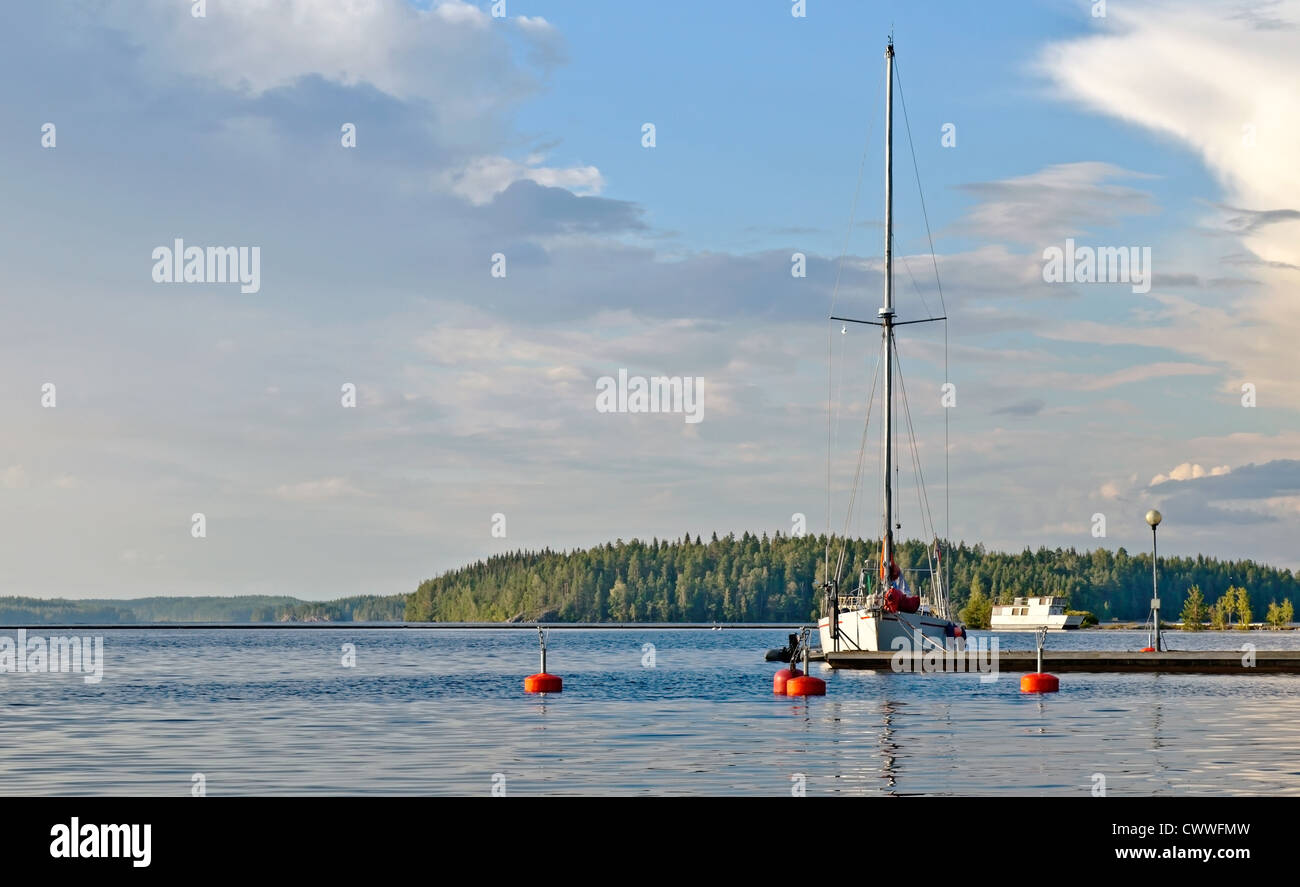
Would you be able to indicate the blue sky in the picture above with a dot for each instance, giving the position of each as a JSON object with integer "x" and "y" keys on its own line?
{"x": 522, "y": 136}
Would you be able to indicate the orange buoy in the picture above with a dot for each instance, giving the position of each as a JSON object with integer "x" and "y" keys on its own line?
{"x": 1038, "y": 682}
{"x": 1148, "y": 650}
{"x": 804, "y": 685}
{"x": 779, "y": 679}
{"x": 543, "y": 683}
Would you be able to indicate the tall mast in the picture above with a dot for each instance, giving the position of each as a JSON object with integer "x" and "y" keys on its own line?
{"x": 887, "y": 312}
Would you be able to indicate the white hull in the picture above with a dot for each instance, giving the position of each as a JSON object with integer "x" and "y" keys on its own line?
{"x": 1033, "y": 623}
{"x": 862, "y": 629}
{"x": 1033, "y": 613}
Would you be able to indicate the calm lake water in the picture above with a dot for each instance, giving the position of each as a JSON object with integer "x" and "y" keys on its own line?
{"x": 443, "y": 712}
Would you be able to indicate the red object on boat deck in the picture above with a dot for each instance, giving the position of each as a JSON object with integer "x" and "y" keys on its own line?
{"x": 897, "y": 602}
{"x": 779, "y": 679}
{"x": 805, "y": 686}
{"x": 1040, "y": 682}
{"x": 1147, "y": 650}
{"x": 543, "y": 683}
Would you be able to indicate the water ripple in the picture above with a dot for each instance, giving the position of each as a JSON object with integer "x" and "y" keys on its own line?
{"x": 443, "y": 712}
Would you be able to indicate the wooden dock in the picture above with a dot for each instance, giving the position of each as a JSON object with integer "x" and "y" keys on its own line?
{"x": 1099, "y": 661}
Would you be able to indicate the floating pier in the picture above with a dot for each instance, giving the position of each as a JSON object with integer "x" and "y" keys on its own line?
{"x": 1099, "y": 661}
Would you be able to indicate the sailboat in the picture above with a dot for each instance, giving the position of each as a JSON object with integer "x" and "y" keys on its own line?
{"x": 881, "y": 613}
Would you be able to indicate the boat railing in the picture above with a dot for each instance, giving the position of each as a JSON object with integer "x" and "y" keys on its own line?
{"x": 860, "y": 601}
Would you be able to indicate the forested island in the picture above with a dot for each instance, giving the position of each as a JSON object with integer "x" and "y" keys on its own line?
{"x": 763, "y": 578}
{"x": 747, "y": 578}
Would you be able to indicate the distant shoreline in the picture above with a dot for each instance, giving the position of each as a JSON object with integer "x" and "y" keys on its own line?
{"x": 348, "y": 626}
{"x": 532, "y": 626}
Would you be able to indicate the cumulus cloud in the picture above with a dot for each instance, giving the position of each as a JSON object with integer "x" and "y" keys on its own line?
{"x": 1119, "y": 490}
{"x": 482, "y": 178}
{"x": 461, "y": 66}
{"x": 1190, "y": 471}
{"x": 1252, "y": 494}
{"x": 255, "y": 46}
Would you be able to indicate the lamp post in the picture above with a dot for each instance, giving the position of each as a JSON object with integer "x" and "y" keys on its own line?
{"x": 1153, "y": 518}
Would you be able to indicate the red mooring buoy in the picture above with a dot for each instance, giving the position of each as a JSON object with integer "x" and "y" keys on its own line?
{"x": 1147, "y": 650}
{"x": 779, "y": 679}
{"x": 543, "y": 682}
{"x": 1040, "y": 682}
{"x": 805, "y": 686}
{"x": 795, "y": 682}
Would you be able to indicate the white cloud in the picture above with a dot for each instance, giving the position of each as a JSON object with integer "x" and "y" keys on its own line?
{"x": 1190, "y": 471}
{"x": 453, "y": 56}
{"x": 534, "y": 23}
{"x": 482, "y": 178}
